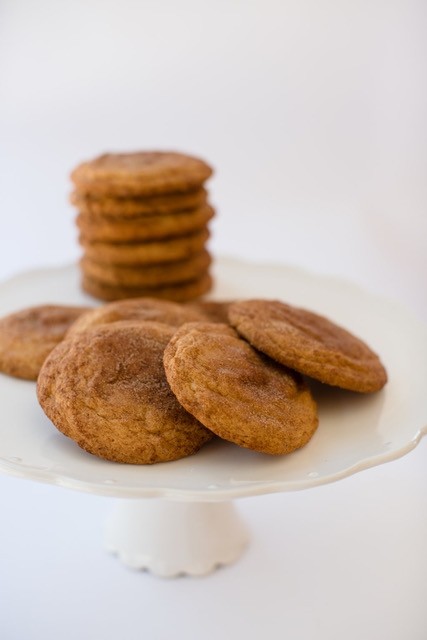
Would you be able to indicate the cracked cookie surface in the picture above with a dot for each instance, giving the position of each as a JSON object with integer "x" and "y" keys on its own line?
{"x": 309, "y": 343}
{"x": 144, "y": 173}
{"x": 238, "y": 393}
{"x": 106, "y": 389}
{"x": 29, "y": 335}
{"x": 166, "y": 312}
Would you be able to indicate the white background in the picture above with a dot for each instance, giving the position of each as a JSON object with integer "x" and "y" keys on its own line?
{"x": 313, "y": 115}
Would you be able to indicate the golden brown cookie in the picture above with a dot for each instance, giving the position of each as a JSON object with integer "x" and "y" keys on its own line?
{"x": 166, "y": 250}
{"x": 150, "y": 275}
{"x": 139, "y": 174}
{"x": 106, "y": 389}
{"x": 177, "y": 292}
{"x": 108, "y": 207}
{"x": 214, "y": 310}
{"x": 238, "y": 393}
{"x": 137, "y": 310}
{"x": 98, "y": 229}
{"x": 28, "y": 336}
{"x": 309, "y": 343}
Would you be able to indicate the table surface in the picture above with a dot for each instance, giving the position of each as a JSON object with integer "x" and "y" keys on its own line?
{"x": 324, "y": 170}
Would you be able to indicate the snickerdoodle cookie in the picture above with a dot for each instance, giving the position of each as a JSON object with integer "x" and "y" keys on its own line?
{"x": 177, "y": 292}
{"x": 214, "y": 310}
{"x": 106, "y": 389}
{"x": 141, "y": 209}
{"x": 309, "y": 343}
{"x": 99, "y": 229}
{"x": 152, "y": 252}
{"x": 152, "y": 275}
{"x": 110, "y": 207}
{"x": 138, "y": 310}
{"x": 28, "y": 336}
{"x": 142, "y": 173}
{"x": 238, "y": 393}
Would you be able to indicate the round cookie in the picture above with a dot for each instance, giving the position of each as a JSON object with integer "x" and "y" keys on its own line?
{"x": 151, "y": 275}
{"x": 139, "y": 174}
{"x": 106, "y": 389}
{"x": 178, "y": 292}
{"x": 108, "y": 207}
{"x": 98, "y": 229}
{"x": 28, "y": 336}
{"x": 309, "y": 343}
{"x": 166, "y": 250}
{"x": 137, "y": 310}
{"x": 238, "y": 393}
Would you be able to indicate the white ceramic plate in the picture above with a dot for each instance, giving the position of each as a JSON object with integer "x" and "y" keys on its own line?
{"x": 355, "y": 431}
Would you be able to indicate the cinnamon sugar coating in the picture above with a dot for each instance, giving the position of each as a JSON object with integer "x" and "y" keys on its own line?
{"x": 151, "y": 275}
{"x": 238, "y": 393}
{"x": 144, "y": 173}
{"x": 309, "y": 343}
{"x": 106, "y": 389}
{"x": 28, "y": 336}
{"x": 166, "y": 312}
{"x": 149, "y": 252}
{"x": 145, "y": 228}
{"x": 110, "y": 207}
{"x": 178, "y": 291}
{"x": 214, "y": 310}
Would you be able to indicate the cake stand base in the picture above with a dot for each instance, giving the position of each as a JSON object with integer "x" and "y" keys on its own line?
{"x": 170, "y": 538}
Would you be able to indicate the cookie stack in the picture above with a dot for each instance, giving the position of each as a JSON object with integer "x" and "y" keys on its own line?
{"x": 143, "y": 223}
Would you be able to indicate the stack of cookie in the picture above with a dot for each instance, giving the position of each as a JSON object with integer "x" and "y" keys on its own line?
{"x": 143, "y": 222}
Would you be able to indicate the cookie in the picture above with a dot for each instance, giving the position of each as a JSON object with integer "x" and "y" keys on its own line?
{"x": 172, "y": 314}
{"x": 309, "y": 343}
{"x": 166, "y": 250}
{"x": 178, "y": 292}
{"x": 108, "y": 207}
{"x": 151, "y": 275}
{"x": 28, "y": 336}
{"x": 106, "y": 389}
{"x": 214, "y": 310}
{"x": 140, "y": 174}
{"x": 98, "y": 229}
{"x": 238, "y": 393}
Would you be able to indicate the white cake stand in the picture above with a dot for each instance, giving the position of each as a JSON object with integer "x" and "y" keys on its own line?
{"x": 178, "y": 517}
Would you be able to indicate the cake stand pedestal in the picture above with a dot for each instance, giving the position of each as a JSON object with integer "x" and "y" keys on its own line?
{"x": 171, "y": 538}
